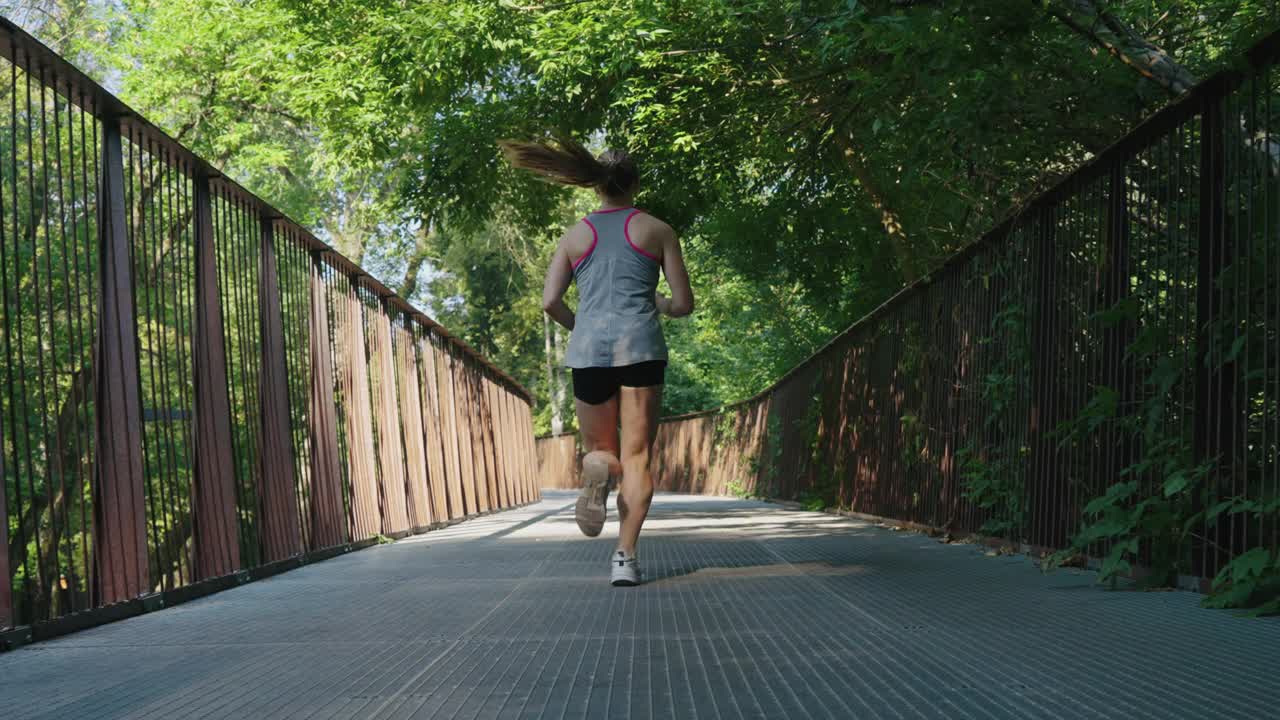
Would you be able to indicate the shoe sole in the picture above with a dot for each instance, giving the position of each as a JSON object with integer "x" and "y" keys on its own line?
{"x": 620, "y": 582}
{"x": 590, "y": 510}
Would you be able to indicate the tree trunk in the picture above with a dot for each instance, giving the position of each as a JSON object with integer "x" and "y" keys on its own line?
{"x": 67, "y": 457}
{"x": 419, "y": 258}
{"x": 908, "y": 263}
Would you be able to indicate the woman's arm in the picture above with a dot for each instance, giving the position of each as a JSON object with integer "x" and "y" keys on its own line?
{"x": 559, "y": 275}
{"x": 681, "y": 301}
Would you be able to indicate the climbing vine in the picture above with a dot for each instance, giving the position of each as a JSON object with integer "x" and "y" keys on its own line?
{"x": 1167, "y": 504}
{"x": 993, "y": 460}
{"x": 822, "y": 489}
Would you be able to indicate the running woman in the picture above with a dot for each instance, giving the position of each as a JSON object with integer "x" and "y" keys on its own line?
{"x": 616, "y": 352}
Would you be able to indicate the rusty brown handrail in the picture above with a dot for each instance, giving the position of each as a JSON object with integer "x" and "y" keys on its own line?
{"x": 1143, "y": 281}
{"x": 195, "y": 390}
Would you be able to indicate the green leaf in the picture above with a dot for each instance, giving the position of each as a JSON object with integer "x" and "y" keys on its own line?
{"x": 1176, "y": 483}
{"x": 1236, "y": 347}
{"x": 1249, "y": 564}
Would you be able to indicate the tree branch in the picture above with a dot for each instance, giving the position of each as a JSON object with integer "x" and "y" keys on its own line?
{"x": 421, "y": 254}
{"x": 1108, "y": 32}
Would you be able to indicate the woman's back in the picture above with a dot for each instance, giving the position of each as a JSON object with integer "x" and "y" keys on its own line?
{"x": 617, "y": 351}
{"x": 617, "y": 276}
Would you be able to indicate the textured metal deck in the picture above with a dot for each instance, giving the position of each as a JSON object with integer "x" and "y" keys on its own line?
{"x": 751, "y": 611}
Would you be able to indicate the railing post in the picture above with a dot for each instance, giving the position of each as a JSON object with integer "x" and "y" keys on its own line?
{"x": 216, "y": 530}
{"x": 465, "y": 439}
{"x": 281, "y": 528}
{"x": 504, "y": 444}
{"x": 120, "y": 542}
{"x": 496, "y": 437}
{"x": 1216, "y": 419}
{"x": 357, "y": 404}
{"x": 417, "y": 474}
{"x": 432, "y": 427}
{"x": 484, "y": 416}
{"x": 1117, "y": 453}
{"x": 526, "y": 434}
{"x": 526, "y": 459}
{"x": 6, "y": 587}
{"x": 450, "y": 429}
{"x": 1048, "y": 519}
{"x": 392, "y": 494}
{"x": 328, "y": 519}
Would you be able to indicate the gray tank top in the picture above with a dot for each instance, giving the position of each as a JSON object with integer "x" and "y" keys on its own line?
{"x": 617, "y": 321}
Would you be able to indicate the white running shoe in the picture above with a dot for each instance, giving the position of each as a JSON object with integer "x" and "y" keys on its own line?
{"x": 590, "y": 511}
{"x": 624, "y": 570}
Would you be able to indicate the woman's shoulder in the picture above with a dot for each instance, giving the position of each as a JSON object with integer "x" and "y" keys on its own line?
{"x": 645, "y": 221}
{"x": 578, "y": 238}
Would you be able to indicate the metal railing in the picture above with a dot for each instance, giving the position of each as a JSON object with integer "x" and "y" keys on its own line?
{"x": 558, "y": 458}
{"x": 1121, "y": 331}
{"x": 194, "y": 390}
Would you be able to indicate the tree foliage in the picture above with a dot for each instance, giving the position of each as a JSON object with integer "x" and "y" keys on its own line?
{"x": 814, "y": 154}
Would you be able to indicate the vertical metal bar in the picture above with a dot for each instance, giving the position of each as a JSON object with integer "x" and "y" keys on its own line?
{"x": 495, "y": 447}
{"x": 280, "y": 528}
{"x": 217, "y": 551}
{"x": 436, "y": 427}
{"x": 12, "y": 305}
{"x": 505, "y": 443}
{"x": 395, "y": 516}
{"x": 448, "y": 426}
{"x": 513, "y": 454}
{"x": 359, "y": 421}
{"x": 489, "y": 413}
{"x": 513, "y": 450}
{"x": 6, "y": 572}
{"x": 184, "y": 269}
{"x": 58, "y": 440}
{"x": 484, "y": 413}
{"x": 230, "y": 244}
{"x": 1242, "y": 230}
{"x": 526, "y": 434}
{"x": 475, "y": 423}
{"x": 519, "y": 466}
{"x": 488, "y": 488}
{"x": 293, "y": 288}
{"x": 1212, "y": 397}
{"x": 120, "y": 543}
{"x": 179, "y": 220}
{"x": 1043, "y": 478}
{"x": 524, "y": 458}
{"x": 328, "y": 520}
{"x": 139, "y": 229}
{"x": 462, "y": 430}
{"x": 6, "y": 577}
{"x": 495, "y": 443}
{"x": 84, "y": 303}
{"x": 417, "y": 474}
{"x": 249, "y": 263}
{"x": 162, "y": 229}
{"x": 1272, "y": 303}
{"x": 49, "y": 559}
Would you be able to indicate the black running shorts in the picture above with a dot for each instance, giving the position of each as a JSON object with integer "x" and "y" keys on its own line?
{"x": 598, "y": 384}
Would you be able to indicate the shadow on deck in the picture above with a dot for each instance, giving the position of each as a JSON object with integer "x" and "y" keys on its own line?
{"x": 751, "y": 610}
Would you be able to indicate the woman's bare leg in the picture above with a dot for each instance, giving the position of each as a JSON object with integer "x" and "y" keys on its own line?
{"x": 600, "y": 467}
{"x": 598, "y": 425}
{"x": 639, "y": 414}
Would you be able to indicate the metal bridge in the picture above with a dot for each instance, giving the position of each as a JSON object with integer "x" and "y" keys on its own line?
{"x": 204, "y": 410}
{"x": 750, "y": 610}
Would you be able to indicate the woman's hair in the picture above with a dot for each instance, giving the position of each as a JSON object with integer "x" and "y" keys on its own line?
{"x": 569, "y": 163}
